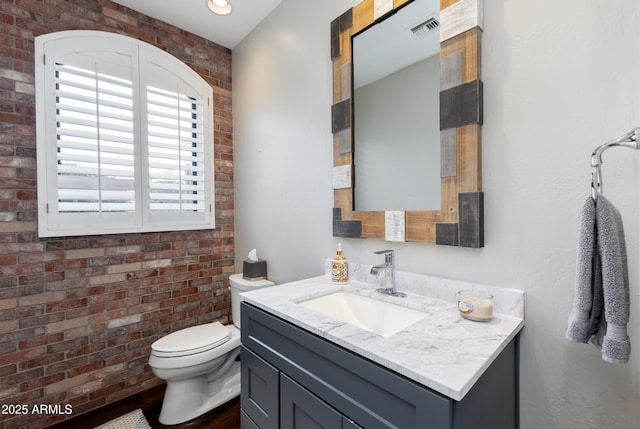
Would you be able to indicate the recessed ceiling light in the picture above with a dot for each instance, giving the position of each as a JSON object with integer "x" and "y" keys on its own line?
{"x": 220, "y": 7}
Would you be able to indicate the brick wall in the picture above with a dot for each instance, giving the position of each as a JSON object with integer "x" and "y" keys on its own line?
{"x": 78, "y": 315}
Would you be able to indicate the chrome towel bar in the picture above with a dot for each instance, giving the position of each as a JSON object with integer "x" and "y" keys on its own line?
{"x": 629, "y": 140}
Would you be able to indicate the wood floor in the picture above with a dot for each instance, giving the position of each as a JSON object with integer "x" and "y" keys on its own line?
{"x": 225, "y": 417}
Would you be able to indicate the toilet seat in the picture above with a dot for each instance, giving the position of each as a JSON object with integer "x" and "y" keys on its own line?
{"x": 193, "y": 340}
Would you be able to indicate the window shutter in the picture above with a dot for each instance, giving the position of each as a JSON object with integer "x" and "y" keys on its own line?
{"x": 124, "y": 138}
{"x": 95, "y": 141}
{"x": 176, "y": 151}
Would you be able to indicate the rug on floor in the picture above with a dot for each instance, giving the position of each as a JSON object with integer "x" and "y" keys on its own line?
{"x": 133, "y": 420}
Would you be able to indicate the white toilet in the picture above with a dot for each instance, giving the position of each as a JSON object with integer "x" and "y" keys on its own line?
{"x": 200, "y": 364}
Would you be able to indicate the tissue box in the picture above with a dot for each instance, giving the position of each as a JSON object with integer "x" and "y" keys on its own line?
{"x": 254, "y": 270}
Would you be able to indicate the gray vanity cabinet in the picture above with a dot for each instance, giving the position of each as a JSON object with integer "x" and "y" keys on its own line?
{"x": 260, "y": 391}
{"x": 300, "y": 409}
{"x": 270, "y": 399}
{"x": 292, "y": 378}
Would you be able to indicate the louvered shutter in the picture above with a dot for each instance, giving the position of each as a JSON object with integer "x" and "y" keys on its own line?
{"x": 176, "y": 158}
{"x": 125, "y": 138}
{"x": 95, "y": 139}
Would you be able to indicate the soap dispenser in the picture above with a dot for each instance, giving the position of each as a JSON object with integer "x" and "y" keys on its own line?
{"x": 339, "y": 268}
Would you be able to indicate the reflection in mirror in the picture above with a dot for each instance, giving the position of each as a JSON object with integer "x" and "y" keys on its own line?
{"x": 396, "y": 120}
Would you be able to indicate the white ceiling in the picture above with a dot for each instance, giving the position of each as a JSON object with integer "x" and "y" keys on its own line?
{"x": 195, "y": 17}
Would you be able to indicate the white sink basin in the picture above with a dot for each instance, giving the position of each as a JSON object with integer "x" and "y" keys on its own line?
{"x": 382, "y": 317}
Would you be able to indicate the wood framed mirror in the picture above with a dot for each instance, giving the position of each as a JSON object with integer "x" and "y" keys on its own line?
{"x": 459, "y": 219}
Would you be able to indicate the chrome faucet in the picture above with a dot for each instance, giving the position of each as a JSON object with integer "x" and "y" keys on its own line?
{"x": 389, "y": 286}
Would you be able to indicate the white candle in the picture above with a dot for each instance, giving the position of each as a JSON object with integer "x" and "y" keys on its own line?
{"x": 475, "y": 305}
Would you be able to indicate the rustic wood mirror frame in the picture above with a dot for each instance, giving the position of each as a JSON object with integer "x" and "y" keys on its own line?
{"x": 459, "y": 221}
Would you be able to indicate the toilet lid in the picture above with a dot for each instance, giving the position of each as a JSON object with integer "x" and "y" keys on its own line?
{"x": 196, "y": 339}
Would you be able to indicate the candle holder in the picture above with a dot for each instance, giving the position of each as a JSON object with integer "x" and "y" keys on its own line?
{"x": 475, "y": 305}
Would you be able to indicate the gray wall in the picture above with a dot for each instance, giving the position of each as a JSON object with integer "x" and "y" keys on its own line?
{"x": 397, "y": 140}
{"x": 560, "y": 78}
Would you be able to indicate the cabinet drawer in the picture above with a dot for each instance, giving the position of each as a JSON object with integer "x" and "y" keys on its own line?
{"x": 368, "y": 393}
{"x": 260, "y": 388}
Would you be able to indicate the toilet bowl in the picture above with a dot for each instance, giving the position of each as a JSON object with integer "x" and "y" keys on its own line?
{"x": 201, "y": 364}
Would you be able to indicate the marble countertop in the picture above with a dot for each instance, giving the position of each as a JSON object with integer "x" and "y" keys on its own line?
{"x": 443, "y": 351}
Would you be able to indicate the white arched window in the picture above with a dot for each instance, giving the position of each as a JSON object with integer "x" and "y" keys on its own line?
{"x": 124, "y": 137}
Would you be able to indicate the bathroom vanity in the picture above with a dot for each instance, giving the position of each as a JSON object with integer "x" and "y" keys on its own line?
{"x": 303, "y": 369}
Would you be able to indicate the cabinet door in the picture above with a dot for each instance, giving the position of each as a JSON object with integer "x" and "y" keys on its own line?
{"x": 246, "y": 422}
{"x": 300, "y": 409}
{"x": 349, "y": 424}
{"x": 259, "y": 390}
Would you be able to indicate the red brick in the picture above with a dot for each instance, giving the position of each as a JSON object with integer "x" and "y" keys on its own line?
{"x": 41, "y": 382}
{"x": 66, "y": 305}
{"x": 89, "y": 349}
{"x": 86, "y": 368}
{"x": 66, "y": 364}
{"x": 66, "y": 265}
{"x": 30, "y": 266}
{"x": 68, "y": 346}
{"x": 42, "y": 361}
{"x": 107, "y": 297}
{"x": 24, "y": 376}
{"x": 36, "y": 322}
{"x": 30, "y": 258}
{"x": 85, "y": 311}
{"x": 40, "y": 341}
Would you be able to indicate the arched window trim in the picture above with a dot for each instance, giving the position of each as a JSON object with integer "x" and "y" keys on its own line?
{"x": 124, "y": 137}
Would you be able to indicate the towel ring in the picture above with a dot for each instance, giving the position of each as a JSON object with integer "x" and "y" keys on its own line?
{"x": 629, "y": 140}
{"x": 596, "y": 183}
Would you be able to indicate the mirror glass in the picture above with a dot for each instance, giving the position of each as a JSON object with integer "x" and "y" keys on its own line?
{"x": 396, "y": 120}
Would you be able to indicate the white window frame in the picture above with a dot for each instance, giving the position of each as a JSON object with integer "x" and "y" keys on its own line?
{"x": 148, "y": 67}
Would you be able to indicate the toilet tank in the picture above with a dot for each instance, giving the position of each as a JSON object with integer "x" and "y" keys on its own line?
{"x": 240, "y": 285}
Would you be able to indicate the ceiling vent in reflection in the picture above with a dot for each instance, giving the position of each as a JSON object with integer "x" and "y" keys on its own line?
{"x": 421, "y": 30}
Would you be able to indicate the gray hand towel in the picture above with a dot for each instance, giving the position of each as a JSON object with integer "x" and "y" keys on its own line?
{"x": 587, "y": 306}
{"x": 601, "y": 298}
